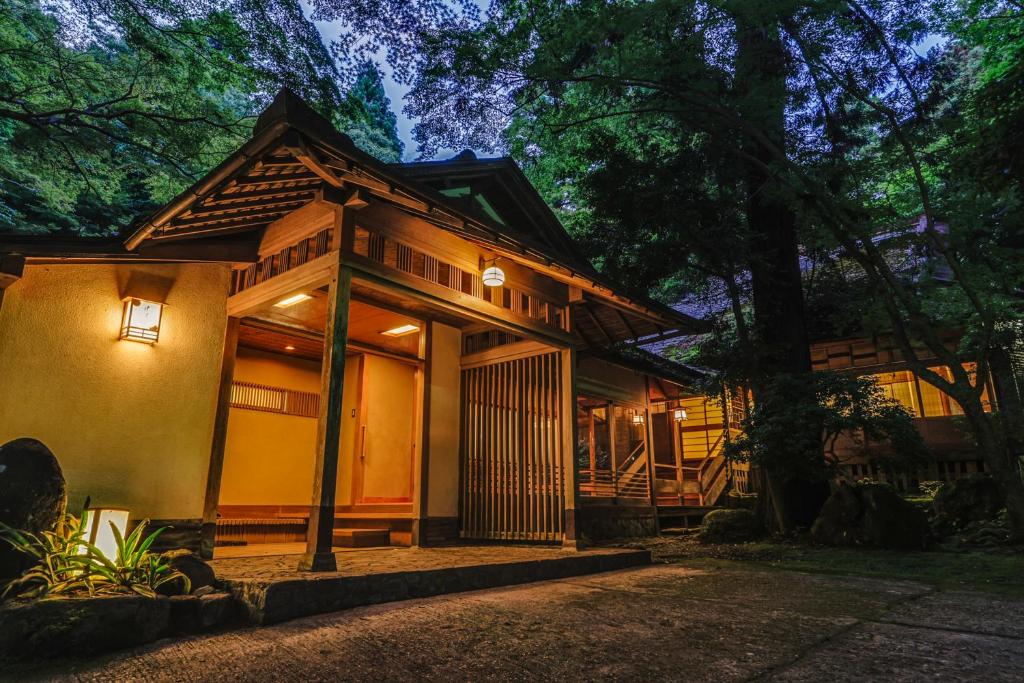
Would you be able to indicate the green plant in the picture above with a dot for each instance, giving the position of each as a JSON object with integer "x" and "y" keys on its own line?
{"x": 60, "y": 565}
{"x": 65, "y": 563}
{"x": 135, "y": 569}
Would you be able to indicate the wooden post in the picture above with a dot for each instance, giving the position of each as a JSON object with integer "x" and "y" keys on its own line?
{"x": 319, "y": 555}
{"x": 208, "y": 533}
{"x": 649, "y": 450}
{"x": 421, "y": 492}
{"x": 570, "y": 467}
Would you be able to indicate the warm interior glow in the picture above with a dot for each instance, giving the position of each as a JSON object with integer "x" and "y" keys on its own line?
{"x": 292, "y": 300}
{"x": 400, "y": 331}
{"x": 97, "y": 523}
{"x": 141, "y": 320}
{"x": 493, "y": 276}
{"x": 638, "y": 418}
{"x": 679, "y": 414}
{"x": 289, "y": 348}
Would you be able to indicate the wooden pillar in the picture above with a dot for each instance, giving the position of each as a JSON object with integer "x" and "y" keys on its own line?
{"x": 208, "y": 533}
{"x": 570, "y": 467}
{"x": 422, "y": 483}
{"x": 12, "y": 266}
{"x": 649, "y": 450}
{"x": 319, "y": 555}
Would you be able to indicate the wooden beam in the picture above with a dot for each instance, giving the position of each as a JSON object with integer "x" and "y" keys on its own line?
{"x": 297, "y": 146}
{"x": 235, "y": 208}
{"x": 227, "y": 199}
{"x": 597, "y": 323}
{"x": 270, "y": 212}
{"x": 421, "y": 494}
{"x": 312, "y": 274}
{"x": 251, "y": 181}
{"x": 625, "y": 322}
{"x": 220, "y": 436}
{"x": 463, "y": 304}
{"x": 319, "y": 555}
{"x": 192, "y": 233}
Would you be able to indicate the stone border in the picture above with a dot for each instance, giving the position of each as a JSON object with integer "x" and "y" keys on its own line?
{"x": 268, "y": 601}
{"x": 91, "y": 625}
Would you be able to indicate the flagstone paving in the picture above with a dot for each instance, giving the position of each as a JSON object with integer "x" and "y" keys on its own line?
{"x": 663, "y": 622}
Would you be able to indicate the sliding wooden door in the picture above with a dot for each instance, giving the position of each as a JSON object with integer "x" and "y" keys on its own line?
{"x": 513, "y": 483}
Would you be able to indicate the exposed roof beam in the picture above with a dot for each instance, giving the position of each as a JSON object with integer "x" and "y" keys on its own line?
{"x": 225, "y": 199}
{"x": 269, "y": 212}
{"x": 302, "y": 177}
{"x": 597, "y": 323}
{"x": 241, "y": 206}
{"x": 297, "y": 146}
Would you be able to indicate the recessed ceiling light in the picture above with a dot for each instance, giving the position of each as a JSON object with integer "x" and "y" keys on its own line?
{"x": 292, "y": 300}
{"x": 399, "y": 331}
{"x": 289, "y": 348}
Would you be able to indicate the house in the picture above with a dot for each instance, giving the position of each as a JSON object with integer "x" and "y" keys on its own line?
{"x": 309, "y": 345}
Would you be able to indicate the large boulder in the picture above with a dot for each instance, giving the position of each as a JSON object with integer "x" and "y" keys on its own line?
{"x": 871, "y": 515}
{"x": 33, "y": 496}
{"x": 730, "y": 526}
{"x": 976, "y": 498}
{"x": 193, "y": 567}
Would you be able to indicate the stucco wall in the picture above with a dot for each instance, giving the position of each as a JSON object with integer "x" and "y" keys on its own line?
{"x": 445, "y": 357}
{"x": 269, "y": 457}
{"x": 130, "y": 423}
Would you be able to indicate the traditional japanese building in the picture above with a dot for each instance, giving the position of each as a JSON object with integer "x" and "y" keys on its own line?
{"x": 309, "y": 345}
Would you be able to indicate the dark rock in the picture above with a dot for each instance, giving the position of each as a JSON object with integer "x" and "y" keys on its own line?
{"x": 730, "y": 526}
{"x": 873, "y": 515}
{"x": 194, "y": 614}
{"x": 976, "y": 498}
{"x": 80, "y": 626}
{"x": 737, "y": 499}
{"x": 195, "y": 569}
{"x": 33, "y": 496}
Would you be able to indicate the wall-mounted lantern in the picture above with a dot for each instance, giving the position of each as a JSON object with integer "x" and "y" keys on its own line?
{"x": 493, "y": 276}
{"x": 97, "y": 524}
{"x": 141, "y": 320}
{"x": 679, "y": 414}
{"x": 638, "y": 418}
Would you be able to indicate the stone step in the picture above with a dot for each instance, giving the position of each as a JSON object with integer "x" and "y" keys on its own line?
{"x": 361, "y": 538}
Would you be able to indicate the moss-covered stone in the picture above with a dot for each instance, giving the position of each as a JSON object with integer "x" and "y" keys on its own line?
{"x": 730, "y": 526}
{"x": 871, "y": 515}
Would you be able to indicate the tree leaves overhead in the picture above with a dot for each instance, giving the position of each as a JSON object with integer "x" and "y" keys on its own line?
{"x": 110, "y": 107}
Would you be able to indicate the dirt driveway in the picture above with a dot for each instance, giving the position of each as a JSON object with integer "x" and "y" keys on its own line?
{"x": 665, "y": 622}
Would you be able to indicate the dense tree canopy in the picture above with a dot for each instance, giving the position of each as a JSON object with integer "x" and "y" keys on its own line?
{"x": 108, "y": 108}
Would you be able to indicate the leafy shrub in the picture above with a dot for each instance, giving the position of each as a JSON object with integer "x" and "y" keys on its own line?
{"x": 930, "y": 488}
{"x": 67, "y": 564}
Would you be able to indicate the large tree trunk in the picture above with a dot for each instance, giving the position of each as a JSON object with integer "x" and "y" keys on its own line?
{"x": 779, "y": 327}
{"x": 999, "y": 436}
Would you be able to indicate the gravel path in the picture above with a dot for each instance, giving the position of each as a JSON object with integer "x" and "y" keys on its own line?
{"x": 665, "y": 622}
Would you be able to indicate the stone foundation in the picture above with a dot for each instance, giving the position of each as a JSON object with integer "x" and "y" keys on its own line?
{"x": 600, "y": 522}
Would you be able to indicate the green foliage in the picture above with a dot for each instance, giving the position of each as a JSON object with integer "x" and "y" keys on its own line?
{"x": 66, "y": 564}
{"x": 109, "y": 109}
{"x": 135, "y": 569}
{"x": 368, "y": 118}
{"x": 854, "y": 407}
{"x": 59, "y": 566}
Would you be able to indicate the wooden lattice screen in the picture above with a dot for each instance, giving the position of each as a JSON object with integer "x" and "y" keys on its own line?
{"x": 512, "y": 477}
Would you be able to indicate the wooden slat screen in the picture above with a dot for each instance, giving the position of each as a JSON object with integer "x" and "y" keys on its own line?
{"x": 407, "y": 259}
{"x": 513, "y": 486}
{"x": 251, "y": 396}
{"x": 293, "y": 256}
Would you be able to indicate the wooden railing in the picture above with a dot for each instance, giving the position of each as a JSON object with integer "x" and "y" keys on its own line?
{"x": 599, "y": 483}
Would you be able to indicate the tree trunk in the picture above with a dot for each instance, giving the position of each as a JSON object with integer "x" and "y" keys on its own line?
{"x": 779, "y": 326}
{"x": 998, "y": 436}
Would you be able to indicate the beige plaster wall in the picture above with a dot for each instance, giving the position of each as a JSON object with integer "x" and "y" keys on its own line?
{"x": 443, "y": 494}
{"x": 269, "y": 457}
{"x": 130, "y": 423}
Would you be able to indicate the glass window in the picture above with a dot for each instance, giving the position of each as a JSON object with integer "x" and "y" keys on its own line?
{"x": 899, "y": 386}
